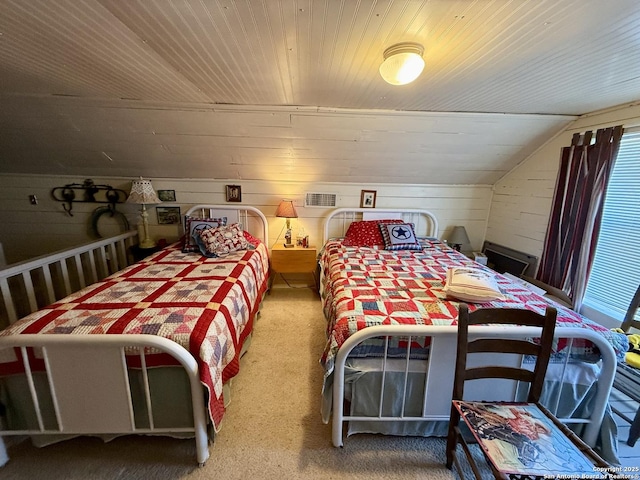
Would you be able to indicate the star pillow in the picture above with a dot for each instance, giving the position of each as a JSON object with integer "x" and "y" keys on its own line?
{"x": 399, "y": 236}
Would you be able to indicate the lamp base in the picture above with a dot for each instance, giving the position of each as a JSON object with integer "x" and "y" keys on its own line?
{"x": 147, "y": 243}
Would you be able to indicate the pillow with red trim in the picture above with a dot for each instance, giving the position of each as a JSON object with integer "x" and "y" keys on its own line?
{"x": 472, "y": 285}
{"x": 399, "y": 237}
{"x": 366, "y": 233}
{"x": 221, "y": 241}
{"x": 193, "y": 226}
{"x": 251, "y": 239}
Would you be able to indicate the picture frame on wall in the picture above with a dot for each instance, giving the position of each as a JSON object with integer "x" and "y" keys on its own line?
{"x": 234, "y": 193}
{"x": 167, "y": 195}
{"x": 168, "y": 215}
{"x": 368, "y": 199}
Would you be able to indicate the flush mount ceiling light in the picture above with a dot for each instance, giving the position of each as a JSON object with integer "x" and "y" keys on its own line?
{"x": 403, "y": 63}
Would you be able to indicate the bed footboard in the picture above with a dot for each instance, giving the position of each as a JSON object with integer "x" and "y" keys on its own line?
{"x": 88, "y": 381}
{"x": 439, "y": 372}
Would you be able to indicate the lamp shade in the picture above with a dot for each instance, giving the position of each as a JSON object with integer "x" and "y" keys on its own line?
{"x": 286, "y": 210}
{"x": 142, "y": 192}
{"x": 459, "y": 236}
{"x": 402, "y": 64}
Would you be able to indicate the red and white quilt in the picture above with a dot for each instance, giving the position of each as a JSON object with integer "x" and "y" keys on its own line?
{"x": 370, "y": 286}
{"x": 207, "y": 305}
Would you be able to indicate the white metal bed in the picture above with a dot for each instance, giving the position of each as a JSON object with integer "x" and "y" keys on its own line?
{"x": 343, "y": 371}
{"x": 89, "y": 377}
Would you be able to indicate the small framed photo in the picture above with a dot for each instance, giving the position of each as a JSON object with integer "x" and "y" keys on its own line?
{"x": 234, "y": 193}
{"x": 168, "y": 215}
{"x": 368, "y": 199}
{"x": 167, "y": 195}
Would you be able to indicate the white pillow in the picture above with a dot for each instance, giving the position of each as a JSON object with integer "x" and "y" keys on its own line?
{"x": 472, "y": 285}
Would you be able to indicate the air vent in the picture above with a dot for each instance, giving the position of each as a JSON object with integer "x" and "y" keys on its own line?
{"x": 320, "y": 199}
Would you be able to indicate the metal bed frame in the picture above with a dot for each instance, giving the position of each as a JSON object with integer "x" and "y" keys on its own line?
{"x": 438, "y": 376}
{"x": 87, "y": 375}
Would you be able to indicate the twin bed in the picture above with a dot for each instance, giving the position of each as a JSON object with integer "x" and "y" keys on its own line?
{"x": 171, "y": 329}
{"x": 390, "y": 351}
{"x": 150, "y": 349}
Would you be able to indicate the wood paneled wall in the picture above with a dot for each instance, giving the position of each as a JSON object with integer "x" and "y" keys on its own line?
{"x": 32, "y": 230}
{"x": 522, "y": 199}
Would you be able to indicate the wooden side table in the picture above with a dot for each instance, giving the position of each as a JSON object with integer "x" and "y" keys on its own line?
{"x": 142, "y": 253}
{"x": 293, "y": 260}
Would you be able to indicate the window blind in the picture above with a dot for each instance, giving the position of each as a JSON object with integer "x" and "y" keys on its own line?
{"x": 615, "y": 274}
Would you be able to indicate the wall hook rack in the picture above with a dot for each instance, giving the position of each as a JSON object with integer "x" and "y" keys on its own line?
{"x": 87, "y": 192}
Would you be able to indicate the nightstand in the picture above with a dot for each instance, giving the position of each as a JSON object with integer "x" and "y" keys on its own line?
{"x": 142, "y": 253}
{"x": 293, "y": 260}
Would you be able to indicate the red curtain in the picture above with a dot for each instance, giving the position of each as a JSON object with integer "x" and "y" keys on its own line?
{"x": 576, "y": 212}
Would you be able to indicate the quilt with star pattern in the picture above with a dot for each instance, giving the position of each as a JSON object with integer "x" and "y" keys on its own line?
{"x": 371, "y": 286}
{"x": 206, "y": 305}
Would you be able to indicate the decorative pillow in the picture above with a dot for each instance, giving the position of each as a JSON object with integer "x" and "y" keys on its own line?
{"x": 251, "y": 239}
{"x": 223, "y": 240}
{"x": 399, "y": 236}
{"x": 196, "y": 225}
{"x": 366, "y": 233}
{"x": 472, "y": 285}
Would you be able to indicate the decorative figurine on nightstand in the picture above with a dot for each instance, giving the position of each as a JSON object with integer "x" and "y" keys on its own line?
{"x": 288, "y": 211}
{"x": 300, "y": 238}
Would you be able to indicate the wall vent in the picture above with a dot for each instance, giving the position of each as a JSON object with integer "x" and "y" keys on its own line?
{"x": 313, "y": 199}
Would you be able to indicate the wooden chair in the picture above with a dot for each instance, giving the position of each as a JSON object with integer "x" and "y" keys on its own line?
{"x": 627, "y": 379}
{"x": 526, "y": 429}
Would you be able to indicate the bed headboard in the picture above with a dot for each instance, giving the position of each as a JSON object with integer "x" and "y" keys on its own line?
{"x": 251, "y": 219}
{"x": 338, "y": 220}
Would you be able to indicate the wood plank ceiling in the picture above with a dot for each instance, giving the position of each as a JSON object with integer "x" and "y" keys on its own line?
{"x": 289, "y": 89}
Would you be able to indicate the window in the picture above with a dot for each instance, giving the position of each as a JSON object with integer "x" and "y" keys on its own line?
{"x": 615, "y": 274}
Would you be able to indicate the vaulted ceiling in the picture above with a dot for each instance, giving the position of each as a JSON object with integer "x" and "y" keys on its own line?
{"x": 269, "y": 89}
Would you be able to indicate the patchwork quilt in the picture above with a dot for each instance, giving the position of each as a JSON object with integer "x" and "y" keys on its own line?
{"x": 371, "y": 286}
{"x": 207, "y": 305}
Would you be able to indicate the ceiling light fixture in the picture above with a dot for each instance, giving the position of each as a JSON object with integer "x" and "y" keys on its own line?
{"x": 403, "y": 63}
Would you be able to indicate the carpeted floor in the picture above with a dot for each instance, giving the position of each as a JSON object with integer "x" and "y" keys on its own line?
{"x": 272, "y": 427}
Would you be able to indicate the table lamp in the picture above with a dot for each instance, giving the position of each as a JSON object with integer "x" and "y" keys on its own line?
{"x": 288, "y": 211}
{"x": 142, "y": 193}
{"x": 458, "y": 238}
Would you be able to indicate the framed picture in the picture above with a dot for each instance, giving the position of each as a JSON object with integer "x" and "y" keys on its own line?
{"x": 234, "y": 193}
{"x": 368, "y": 199}
{"x": 167, "y": 195}
{"x": 168, "y": 215}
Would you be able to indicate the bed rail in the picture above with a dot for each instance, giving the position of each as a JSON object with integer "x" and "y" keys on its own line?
{"x": 89, "y": 384}
{"x": 338, "y": 220}
{"x": 27, "y": 286}
{"x": 438, "y": 376}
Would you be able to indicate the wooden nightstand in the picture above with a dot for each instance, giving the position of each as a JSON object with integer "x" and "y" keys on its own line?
{"x": 293, "y": 260}
{"x": 142, "y": 253}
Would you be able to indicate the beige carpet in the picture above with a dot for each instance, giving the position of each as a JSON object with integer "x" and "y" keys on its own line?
{"x": 272, "y": 427}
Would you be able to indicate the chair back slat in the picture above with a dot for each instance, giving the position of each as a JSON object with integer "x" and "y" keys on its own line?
{"x": 501, "y": 345}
